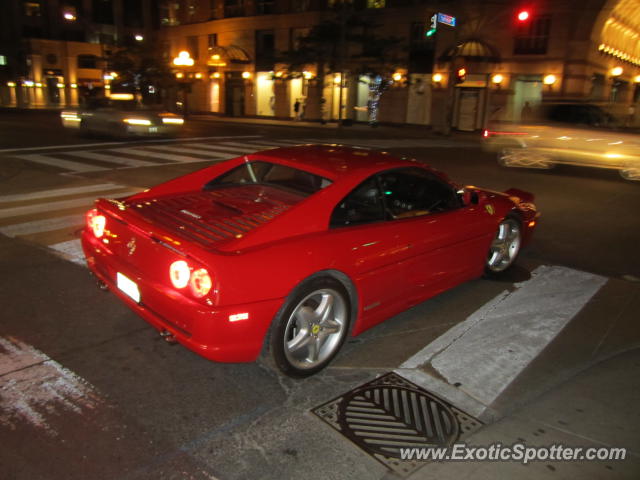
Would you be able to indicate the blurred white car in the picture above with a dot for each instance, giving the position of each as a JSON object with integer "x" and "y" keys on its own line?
{"x": 121, "y": 117}
{"x": 564, "y": 133}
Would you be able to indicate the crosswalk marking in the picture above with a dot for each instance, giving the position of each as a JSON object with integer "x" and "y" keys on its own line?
{"x": 59, "y": 192}
{"x": 71, "y": 250}
{"x": 197, "y": 150}
{"x": 159, "y": 154}
{"x": 61, "y": 163}
{"x": 129, "y": 162}
{"x": 46, "y": 225}
{"x": 248, "y": 147}
{"x": 190, "y": 149}
{"x": 477, "y": 359}
{"x": 227, "y": 150}
{"x": 48, "y": 219}
{"x": 53, "y": 206}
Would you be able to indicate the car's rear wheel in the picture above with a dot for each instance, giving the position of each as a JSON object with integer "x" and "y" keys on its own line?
{"x": 524, "y": 158}
{"x": 310, "y": 328}
{"x": 505, "y": 246}
{"x": 632, "y": 174}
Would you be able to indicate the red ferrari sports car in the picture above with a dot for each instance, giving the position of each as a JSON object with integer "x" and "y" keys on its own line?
{"x": 283, "y": 253}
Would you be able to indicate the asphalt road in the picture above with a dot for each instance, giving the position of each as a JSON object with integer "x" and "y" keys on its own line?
{"x": 88, "y": 390}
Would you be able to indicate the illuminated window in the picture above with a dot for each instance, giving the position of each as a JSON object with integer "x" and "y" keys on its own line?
{"x": 32, "y": 9}
{"x": 3, "y": 60}
{"x": 532, "y": 37}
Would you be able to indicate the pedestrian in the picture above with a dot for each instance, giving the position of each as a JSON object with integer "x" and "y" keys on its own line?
{"x": 631, "y": 114}
{"x": 296, "y": 109}
{"x": 526, "y": 113}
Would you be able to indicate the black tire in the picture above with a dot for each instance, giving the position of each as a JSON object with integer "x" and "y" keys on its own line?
{"x": 310, "y": 328}
{"x": 505, "y": 247}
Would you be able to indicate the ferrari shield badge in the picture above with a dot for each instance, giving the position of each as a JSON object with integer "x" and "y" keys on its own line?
{"x": 131, "y": 246}
{"x": 489, "y": 208}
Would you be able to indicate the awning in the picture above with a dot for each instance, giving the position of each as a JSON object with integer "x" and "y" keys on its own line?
{"x": 472, "y": 50}
{"x": 223, "y": 56}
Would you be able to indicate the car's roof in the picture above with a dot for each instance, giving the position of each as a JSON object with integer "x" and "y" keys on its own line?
{"x": 335, "y": 161}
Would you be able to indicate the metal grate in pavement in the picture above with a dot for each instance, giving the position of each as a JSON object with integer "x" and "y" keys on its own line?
{"x": 390, "y": 413}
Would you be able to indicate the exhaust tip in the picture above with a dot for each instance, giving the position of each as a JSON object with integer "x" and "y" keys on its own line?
{"x": 168, "y": 337}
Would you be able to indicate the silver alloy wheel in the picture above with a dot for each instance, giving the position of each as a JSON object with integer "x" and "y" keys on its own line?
{"x": 315, "y": 328}
{"x": 525, "y": 158}
{"x": 505, "y": 246}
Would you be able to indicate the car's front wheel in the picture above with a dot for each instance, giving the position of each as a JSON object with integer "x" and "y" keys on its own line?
{"x": 310, "y": 328}
{"x": 505, "y": 246}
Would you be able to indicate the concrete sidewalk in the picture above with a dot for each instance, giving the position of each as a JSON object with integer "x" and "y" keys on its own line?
{"x": 597, "y": 408}
{"x": 588, "y": 386}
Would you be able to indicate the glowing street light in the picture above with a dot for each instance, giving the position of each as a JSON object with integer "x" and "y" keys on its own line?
{"x": 183, "y": 59}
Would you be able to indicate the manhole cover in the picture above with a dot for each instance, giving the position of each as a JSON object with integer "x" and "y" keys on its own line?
{"x": 382, "y": 419}
{"x": 391, "y": 413}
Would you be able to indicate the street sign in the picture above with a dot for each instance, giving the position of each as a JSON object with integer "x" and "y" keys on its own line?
{"x": 447, "y": 19}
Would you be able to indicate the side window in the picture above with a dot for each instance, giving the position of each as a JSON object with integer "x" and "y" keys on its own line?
{"x": 362, "y": 205}
{"x": 414, "y": 192}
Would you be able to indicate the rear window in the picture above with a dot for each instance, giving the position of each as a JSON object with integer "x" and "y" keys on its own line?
{"x": 273, "y": 174}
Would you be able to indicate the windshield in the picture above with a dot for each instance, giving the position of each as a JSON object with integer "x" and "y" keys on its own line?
{"x": 270, "y": 174}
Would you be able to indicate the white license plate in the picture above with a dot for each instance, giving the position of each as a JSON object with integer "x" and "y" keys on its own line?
{"x": 128, "y": 286}
{"x": 153, "y": 129}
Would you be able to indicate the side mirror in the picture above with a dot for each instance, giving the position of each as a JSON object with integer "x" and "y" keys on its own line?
{"x": 469, "y": 196}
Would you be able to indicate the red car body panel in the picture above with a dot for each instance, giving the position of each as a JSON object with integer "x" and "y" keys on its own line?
{"x": 257, "y": 252}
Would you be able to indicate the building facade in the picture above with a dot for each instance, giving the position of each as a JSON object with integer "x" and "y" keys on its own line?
{"x": 483, "y": 61}
{"x": 497, "y": 58}
{"x": 54, "y": 52}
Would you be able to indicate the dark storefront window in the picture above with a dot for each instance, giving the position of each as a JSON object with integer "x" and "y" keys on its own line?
{"x": 533, "y": 37}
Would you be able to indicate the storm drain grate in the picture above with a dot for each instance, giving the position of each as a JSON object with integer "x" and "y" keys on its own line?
{"x": 390, "y": 413}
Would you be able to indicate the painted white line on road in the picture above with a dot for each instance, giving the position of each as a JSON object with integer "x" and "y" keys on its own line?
{"x": 229, "y": 152}
{"x": 71, "y": 250}
{"x": 133, "y": 142}
{"x": 35, "y": 388}
{"x": 247, "y": 146}
{"x": 118, "y": 160}
{"x": 85, "y": 202}
{"x": 46, "y": 225}
{"x": 487, "y": 351}
{"x": 60, "y": 163}
{"x": 189, "y": 148}
{"x": 158, "y": 154}
{"x": 59, "y": 192}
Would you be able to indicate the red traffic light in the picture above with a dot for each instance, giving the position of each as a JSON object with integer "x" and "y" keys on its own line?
{"x": 523, "y": 15}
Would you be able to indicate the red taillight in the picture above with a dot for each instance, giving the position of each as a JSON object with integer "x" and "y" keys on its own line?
{"x": 179, "y": 272}
{"x": 199, "y": 280}
{"x": 96, "y": 222}
{"x": 200, "y": 283}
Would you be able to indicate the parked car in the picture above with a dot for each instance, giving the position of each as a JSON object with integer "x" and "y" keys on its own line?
{"x": 283, "y": 253}
{"x": 121, "y": 116}
{"x": 565, "y": 133}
